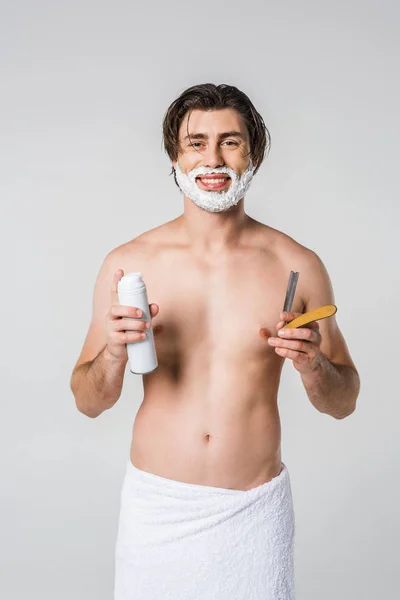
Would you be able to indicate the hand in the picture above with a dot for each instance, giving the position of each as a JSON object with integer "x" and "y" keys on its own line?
{"x": 301, "y": 345}
{"x": 120, "y": 328}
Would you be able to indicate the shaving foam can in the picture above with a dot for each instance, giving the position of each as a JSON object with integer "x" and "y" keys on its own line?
{"x": 142, "y": 356}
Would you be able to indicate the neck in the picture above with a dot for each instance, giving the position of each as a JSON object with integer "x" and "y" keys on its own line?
{"x": 209, "y": 232}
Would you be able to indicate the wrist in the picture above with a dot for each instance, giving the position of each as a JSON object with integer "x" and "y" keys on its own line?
{"x": 112, "y": 359}
{"x": 315, "y": 370}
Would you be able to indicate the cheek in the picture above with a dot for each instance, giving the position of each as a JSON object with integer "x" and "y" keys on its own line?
{"x": 189, "y": 164}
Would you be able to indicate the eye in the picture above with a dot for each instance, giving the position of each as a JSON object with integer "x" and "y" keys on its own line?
{"x": 195, "y": 144}
{"x": 231, "y": 142}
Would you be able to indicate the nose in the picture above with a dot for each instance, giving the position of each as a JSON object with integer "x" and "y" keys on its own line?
{"x": 213, "y": 158}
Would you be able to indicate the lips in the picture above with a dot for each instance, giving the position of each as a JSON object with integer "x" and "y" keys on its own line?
{"x": 213, "y": 182}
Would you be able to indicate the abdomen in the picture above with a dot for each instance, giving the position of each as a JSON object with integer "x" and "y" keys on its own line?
{"x": 222, "y": 431}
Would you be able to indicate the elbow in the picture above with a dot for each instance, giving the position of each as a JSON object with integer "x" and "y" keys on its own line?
{"x": 344, "y": 415}
{"x": 87, "y": 413}
{"x": 84, "y": 409}
{"x": 82, "y": 406}
{"x": 352, "y": 401}
{"x": 349, "y": 411}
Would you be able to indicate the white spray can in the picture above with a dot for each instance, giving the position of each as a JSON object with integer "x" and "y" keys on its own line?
{"x": 142, "y": 354}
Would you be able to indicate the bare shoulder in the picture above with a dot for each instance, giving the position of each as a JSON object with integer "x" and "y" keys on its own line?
{"x": 143, "y": 247}
{"x": 132, "y": 256}
{"x": 284, "y": 247}
{"x": 314, "y": 285}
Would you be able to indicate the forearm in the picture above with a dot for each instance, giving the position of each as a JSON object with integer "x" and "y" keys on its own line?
{"x": 97, "y": 384}
{"x": 332, "y": 389}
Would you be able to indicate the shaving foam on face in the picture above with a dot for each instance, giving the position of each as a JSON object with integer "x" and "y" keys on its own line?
{"x": 214, "y": 201}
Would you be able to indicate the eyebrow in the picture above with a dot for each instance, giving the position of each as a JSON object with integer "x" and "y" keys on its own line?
{"x": 221, "y": 136}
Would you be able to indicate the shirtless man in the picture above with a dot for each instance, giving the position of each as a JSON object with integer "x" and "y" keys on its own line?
{"x": 209, "y": 415}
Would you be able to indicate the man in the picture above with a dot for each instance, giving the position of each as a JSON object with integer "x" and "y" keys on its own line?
{"x": 206, "y": 508}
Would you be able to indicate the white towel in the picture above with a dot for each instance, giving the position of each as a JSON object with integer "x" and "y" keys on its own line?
{"x": 182, "y": 541}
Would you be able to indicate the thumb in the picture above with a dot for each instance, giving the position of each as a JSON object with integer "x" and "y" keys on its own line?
{"x": 114, "y": 286}
{"x": 286, "y": 317}
{"x": 154, "y": 309}
{"x": 289, "y": 316}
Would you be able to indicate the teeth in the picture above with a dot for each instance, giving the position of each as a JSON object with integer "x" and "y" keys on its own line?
{"x": 208, "y": 181}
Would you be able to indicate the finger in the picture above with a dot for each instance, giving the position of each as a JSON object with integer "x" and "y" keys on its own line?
{"x": 315, "y": 335}
{"x": 298, "y": 345}
{"x": 300, "y": 333}
{"x": 286, "y": 317}
{"x": 313, "y": 325}
{"x": 127, "y": 337}
{"x": 291, "y": 341}
{"x": 301, "y": 360}
{"x": 117, "y": 311}
{"x": 114, "y": 286}
{"x": 154, "y": 310}
{"x": 314, "y": 328}
{"x": 294, "y": 355}
{"x": 131, "y": 325}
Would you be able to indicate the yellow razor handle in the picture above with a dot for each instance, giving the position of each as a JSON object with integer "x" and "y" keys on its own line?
{"x": 313, "y": 315}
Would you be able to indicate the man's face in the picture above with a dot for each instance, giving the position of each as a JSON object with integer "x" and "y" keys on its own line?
{"x": 218, "y": 138}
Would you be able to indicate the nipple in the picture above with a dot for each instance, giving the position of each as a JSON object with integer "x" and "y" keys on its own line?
{"x": 157, "y": 329}
{"x": 265, "y": 333}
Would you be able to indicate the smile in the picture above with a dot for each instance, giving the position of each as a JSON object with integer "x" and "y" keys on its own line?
{"x": 213, "y": 180}
{"x": 212, "y": 183}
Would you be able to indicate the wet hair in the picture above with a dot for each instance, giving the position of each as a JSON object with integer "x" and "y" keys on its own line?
{"x": 208, "y": 96}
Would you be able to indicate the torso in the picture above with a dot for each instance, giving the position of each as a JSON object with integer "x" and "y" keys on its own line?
{"x": 209, "y": 414}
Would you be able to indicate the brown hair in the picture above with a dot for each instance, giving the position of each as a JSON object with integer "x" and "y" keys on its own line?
{"x": 208, "y": 96}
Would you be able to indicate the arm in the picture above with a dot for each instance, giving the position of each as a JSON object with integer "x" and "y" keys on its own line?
{"x": 333, "y": 383}
{"x": 332, "y": 388}
{"x": 319, "y": 351}
{"x": 97, "y": 384}
{"x": 97, "y": 378}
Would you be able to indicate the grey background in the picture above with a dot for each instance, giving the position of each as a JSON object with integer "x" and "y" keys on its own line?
{"x": 84, "y": 86}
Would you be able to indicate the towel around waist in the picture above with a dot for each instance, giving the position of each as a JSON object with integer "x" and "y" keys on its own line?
{"x": 199, "y": 541}
{"x": 149, "y": 490}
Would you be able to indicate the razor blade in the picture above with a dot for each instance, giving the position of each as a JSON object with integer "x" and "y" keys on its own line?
{"x": 290, "y": 292}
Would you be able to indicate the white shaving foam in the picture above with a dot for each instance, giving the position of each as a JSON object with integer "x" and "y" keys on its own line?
{"x": 215, "y": 201}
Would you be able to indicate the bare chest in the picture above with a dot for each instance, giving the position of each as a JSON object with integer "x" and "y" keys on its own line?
{"x": 226, "y": 310}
